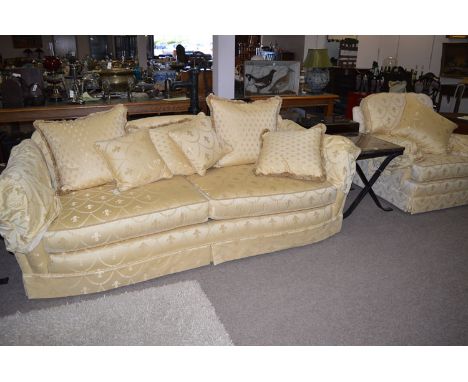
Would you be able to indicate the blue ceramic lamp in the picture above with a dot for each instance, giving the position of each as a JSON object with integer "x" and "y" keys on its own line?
{"x": 317, "y": 74}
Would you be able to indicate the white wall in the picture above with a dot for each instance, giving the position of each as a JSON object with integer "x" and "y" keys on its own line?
{"x": 424, "y": 51}
{"x": 223, "y": 65}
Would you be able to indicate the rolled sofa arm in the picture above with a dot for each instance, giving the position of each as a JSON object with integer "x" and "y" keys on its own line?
{"x": 458, "y": 144}
{"x": 28, "y": 203}
{"x": 340, "y": 155}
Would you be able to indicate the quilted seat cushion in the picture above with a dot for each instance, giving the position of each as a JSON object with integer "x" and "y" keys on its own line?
{"x": 235, "y": 192}
{"x": 100, "y": 216}
{"x": 439, "y": 167}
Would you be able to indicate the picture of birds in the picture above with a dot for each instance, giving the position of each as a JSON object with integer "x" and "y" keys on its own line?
{"x": 277, "y": 78}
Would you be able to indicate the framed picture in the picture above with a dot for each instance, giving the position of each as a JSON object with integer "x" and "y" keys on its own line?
{"x": 23, "y": 42}
{"x": 454, "y": 62}
{"x": 265, "y": 77}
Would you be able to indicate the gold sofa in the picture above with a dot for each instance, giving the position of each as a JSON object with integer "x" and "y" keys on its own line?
{"x": 99, "y": 239}
{"x": 432, "y": 173}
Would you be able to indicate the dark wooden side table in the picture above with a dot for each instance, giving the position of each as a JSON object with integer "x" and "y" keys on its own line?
{"x": 372, "y": 148}
{"x": 462, "y": 123}
{"x": 335, "y": 124}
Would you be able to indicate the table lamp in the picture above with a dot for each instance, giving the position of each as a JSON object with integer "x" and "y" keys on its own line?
{"x": 317, "y": 75}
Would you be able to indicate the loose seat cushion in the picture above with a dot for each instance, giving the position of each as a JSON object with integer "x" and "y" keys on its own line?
{"x": 439, "y": 167}
{"x": 236, "y": 191}
{"x": 99, "y": 215}
{"x": 71, "y": 143}
{"x": 133, "y": 160}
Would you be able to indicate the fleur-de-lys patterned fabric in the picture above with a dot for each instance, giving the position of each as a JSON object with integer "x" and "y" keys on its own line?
{"x": 133, "y": 160}
{"x": 200, "y": 144}
{"x": 435, "y": 182}
{"x": 236, "y": 191}
{"x": 103, "y": 239}
{"x": 340, "y": 155}
{"x": 157, "y": 121}
{"x": 240, "y": 125}
{"x": 169, "y": 150}
{"x": 28, "y": 203}
{"x": 458, "y": 144}
{"x": 78, "y": 163}
{"x": 39, "y": 140}
{"x": 419, "y": 180}
{"x": 412, "y": 152}
{"x": 381, "y": 112}
{"x": 142, "y": 258}
{"x": 440, "y": 167}
{"x": 99, "y": 216}
{"x": 297, "y": 154}
{"x": 428, "y": 129}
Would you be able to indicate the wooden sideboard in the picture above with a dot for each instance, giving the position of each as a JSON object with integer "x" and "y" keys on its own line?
{"x": 68, "y": 111}
{"x": 146, "y": 107}
{"x": 325, "y": 100}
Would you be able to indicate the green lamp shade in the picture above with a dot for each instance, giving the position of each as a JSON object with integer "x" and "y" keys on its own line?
{"x": 317, "y": 58}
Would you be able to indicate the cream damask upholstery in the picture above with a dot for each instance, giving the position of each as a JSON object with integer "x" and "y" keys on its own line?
{"x": 99, "y": 238}
{"x": 71, "y": 145}
{"x": 133, "y": 160}
{"x": 425, "y": 177}
{"x": 199, "y": 143}
{"x": 297, "y": 154}
{"x": 236, "y": 191}
{"x": 240, "y": 125}
{"x": 99, "y": 216}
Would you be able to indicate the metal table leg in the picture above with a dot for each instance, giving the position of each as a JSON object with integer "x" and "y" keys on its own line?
{"x": 368, "y": 186}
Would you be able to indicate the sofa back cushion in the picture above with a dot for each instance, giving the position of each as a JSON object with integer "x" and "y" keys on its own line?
{"x": 71, "y": 144}
{"x": 133, "y": 160}
{"x": 381, "y": 112}
{"x": 428, "y": 129}
{"x": 240, "y": 125}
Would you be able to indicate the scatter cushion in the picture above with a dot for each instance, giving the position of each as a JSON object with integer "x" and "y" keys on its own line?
{"x": 71, "y": 144}
{"x": 428, "y": 129}
{"x": 199, "y": 143}
{"x": 297, "y": 154}
{"x": 169, "y": 150}
{"x": 240, "y": 125}
{"x": 133, "y": 160}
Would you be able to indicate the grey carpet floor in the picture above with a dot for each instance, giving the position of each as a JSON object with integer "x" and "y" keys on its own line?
{"x": 388, "y": 278}
{"x": 169, "y": 315}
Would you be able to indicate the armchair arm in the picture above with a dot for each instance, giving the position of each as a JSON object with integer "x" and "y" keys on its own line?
{"x": 411, "y": 154}
{"x": 28, "y": 203}
{"x": 458, "y": 144}
{"x": 340, "y": 155}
